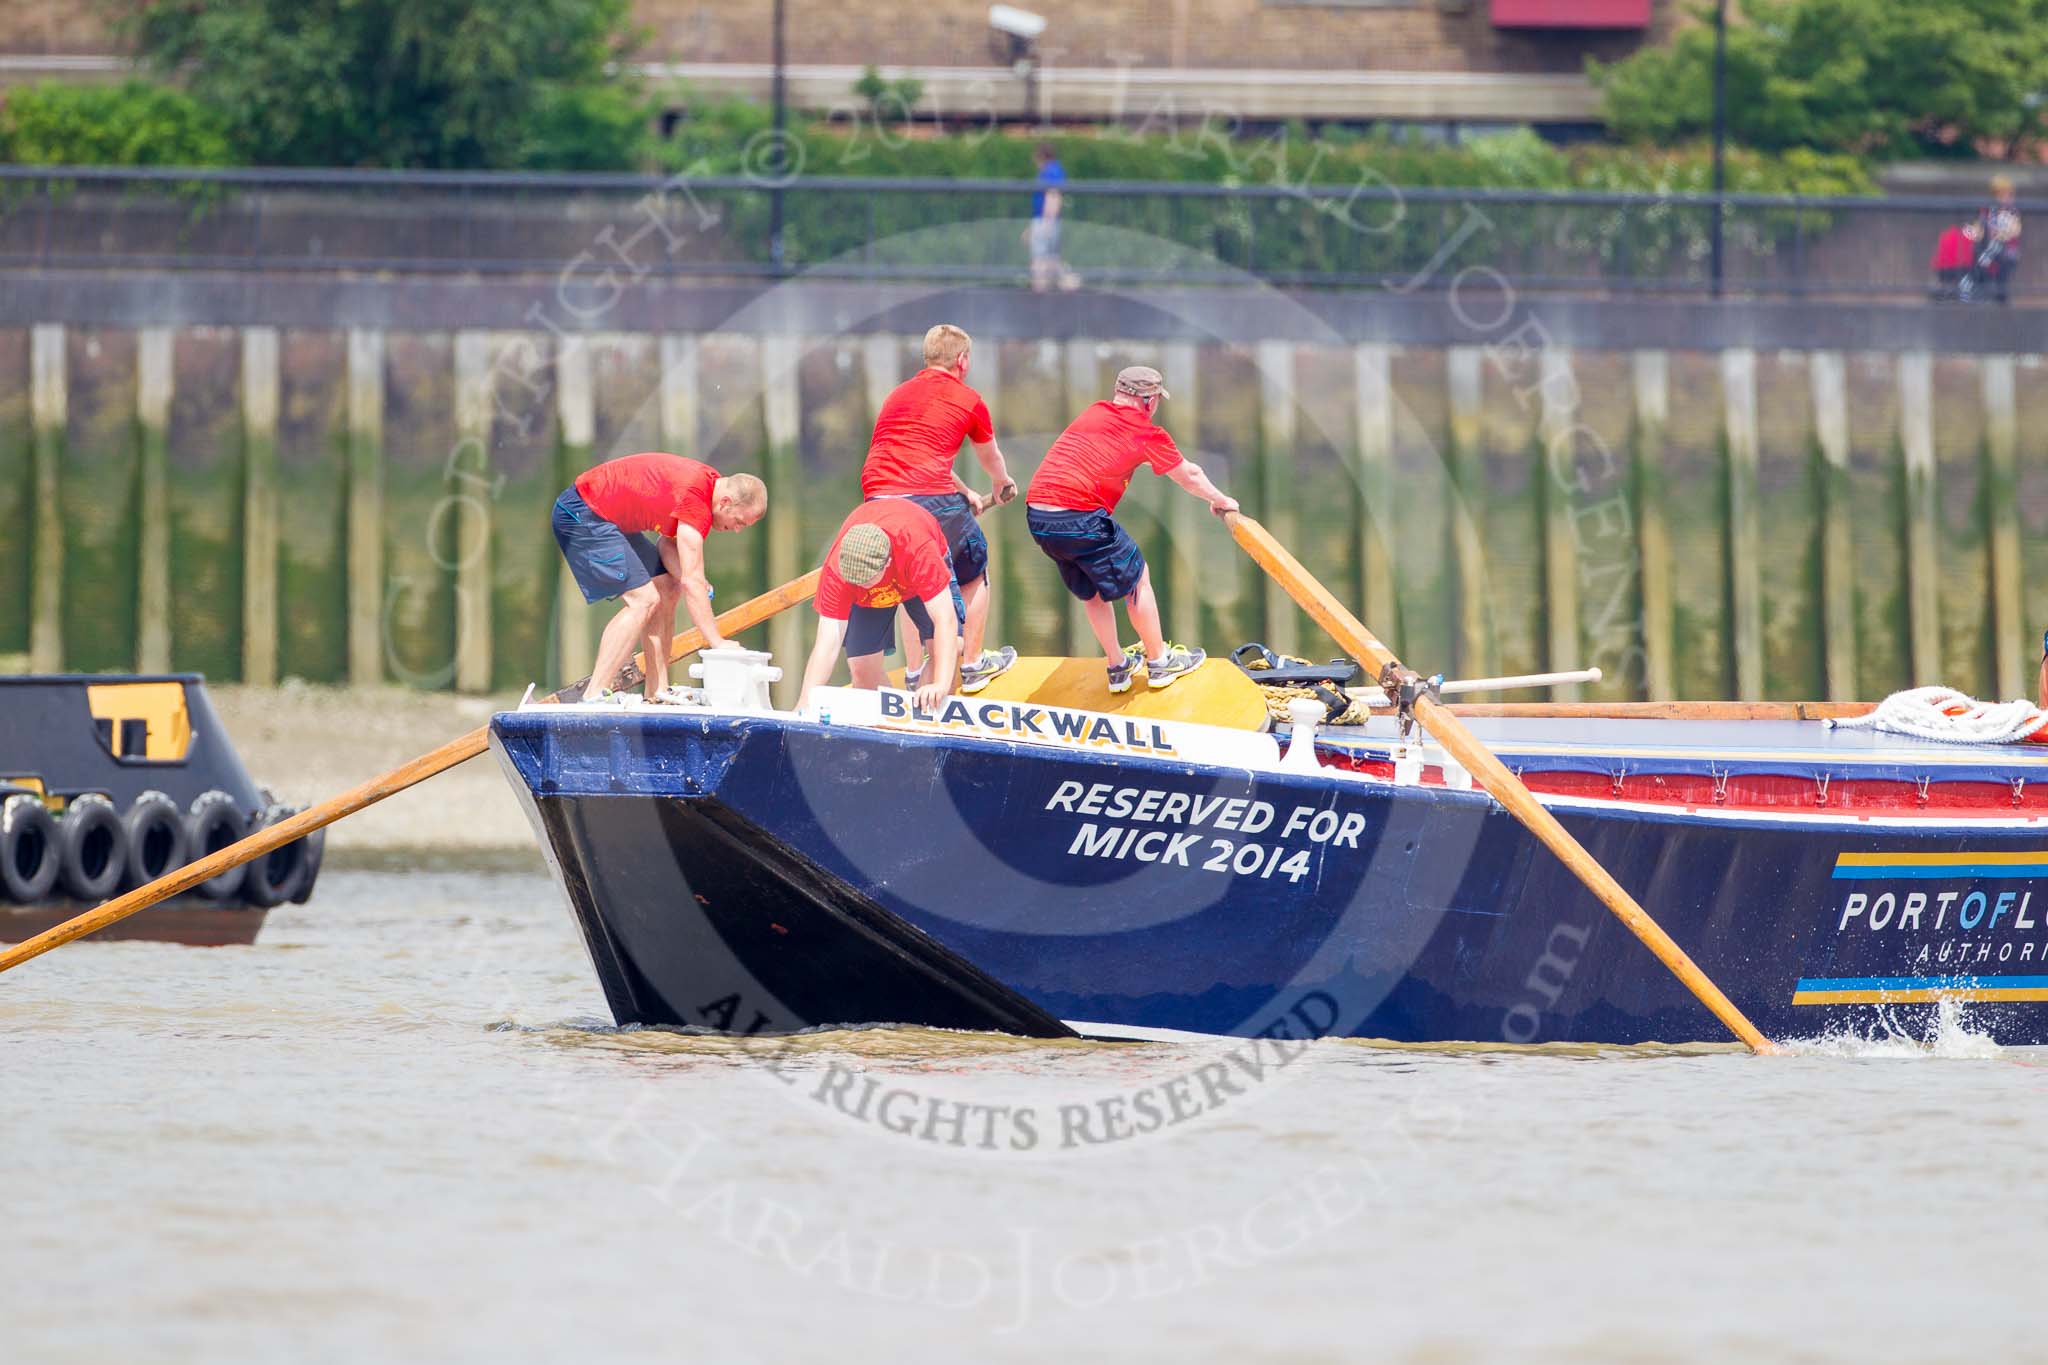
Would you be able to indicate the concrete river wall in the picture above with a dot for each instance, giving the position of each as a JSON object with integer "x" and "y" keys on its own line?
{"x": 351, "y": 481}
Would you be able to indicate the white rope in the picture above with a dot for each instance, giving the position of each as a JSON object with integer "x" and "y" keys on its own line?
{"x": 1947, "y": 716}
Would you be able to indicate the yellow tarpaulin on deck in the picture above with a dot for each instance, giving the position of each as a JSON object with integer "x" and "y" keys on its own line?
{"x": 1217, "y": 693}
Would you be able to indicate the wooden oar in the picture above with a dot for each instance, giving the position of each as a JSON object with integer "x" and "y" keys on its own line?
{"x": 271, "y": 837}
{"x": 1491, "y": 774}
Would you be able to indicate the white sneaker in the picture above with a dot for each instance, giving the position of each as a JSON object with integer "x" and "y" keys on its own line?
{"x": 992, "y": 664}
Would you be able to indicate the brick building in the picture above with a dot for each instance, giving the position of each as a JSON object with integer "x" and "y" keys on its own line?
{"x": 1437, "y": 61}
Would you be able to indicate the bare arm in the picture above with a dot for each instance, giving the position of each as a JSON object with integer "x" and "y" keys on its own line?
{"x": 945, "y": 649}
{"x": 976, "y": 503}
{"x": 684, "y": 559}
{"x": 998, "y": 469}
{"x": 824, "y": 658}
{"x": 1189, "y": 475}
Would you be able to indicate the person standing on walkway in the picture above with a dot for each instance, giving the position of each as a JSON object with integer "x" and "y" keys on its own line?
{"x": 917, "y": 436}
{"x": 1996, "y": 236}
{"x": 1042, "y": 237}
{"x": 1069, "y": 507}
{"x": 601, "y": 524}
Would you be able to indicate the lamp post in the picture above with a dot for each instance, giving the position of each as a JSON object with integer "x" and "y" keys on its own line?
{"x": 1720, "y": 136}
{"x": 778, "y": 154}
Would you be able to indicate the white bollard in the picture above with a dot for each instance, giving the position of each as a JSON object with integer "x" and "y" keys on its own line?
{"x": 1303, "y": 714}
{"x": 736, "y": 679}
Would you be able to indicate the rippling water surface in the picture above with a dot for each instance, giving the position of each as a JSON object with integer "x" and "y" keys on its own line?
{"x": 401, "y": 1128}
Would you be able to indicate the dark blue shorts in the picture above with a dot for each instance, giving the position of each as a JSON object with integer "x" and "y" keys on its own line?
{"x": 872, "y": 630}
{"x": 1097, "y": 557}
{"x": 605, "y": 560}
{"x": 963, "y": 532}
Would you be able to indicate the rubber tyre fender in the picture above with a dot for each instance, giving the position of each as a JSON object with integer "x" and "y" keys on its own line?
{"x": 275, "y": 877}
{"x": 214, "y": 822}
{"x": 156, "y": 838}
{"x": 316, "y": 849}
{"x": 92, "y": 848}
{"x": 29, "y": 861}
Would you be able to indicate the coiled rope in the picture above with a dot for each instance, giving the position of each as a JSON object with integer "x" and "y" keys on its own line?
{"x": 1946, "y": 716}
{"x": 1279, "y": 695}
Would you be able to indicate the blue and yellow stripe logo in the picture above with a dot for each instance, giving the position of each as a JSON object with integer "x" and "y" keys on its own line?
{"x": 1926, "y": 866}
{"x": 1917, "y": 990}
{"x": 1922, "y": 867}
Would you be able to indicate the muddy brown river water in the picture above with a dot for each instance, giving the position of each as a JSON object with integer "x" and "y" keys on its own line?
{"x": 401, "y": 1128}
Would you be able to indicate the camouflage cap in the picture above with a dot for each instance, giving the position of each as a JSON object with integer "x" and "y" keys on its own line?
{"x": 1142, "y": 381}
{"x": 863, "y": 555}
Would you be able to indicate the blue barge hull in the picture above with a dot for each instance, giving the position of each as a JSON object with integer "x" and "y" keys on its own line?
{"x": 769, "y": 874}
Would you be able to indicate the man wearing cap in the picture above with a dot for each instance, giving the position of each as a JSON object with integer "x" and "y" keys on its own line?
{"x": 889, "y": 553}
{"x": 1068, "y": 507}
{"x": 601, "y": 522}
{"x": 917, "y": 434}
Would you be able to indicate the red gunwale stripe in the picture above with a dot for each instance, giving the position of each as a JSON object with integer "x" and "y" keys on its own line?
{"x": 1755, "y": 791}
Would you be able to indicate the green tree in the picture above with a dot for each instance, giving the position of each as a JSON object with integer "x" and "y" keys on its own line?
{"x": 404, "y": 83}
{"x": 138, "y": 123}
{"x": 888, "y": 101}
{"x": 1878, "y": 77}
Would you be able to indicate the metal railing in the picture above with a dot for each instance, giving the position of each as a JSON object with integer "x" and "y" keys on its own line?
{"x": 1121, "y": 233}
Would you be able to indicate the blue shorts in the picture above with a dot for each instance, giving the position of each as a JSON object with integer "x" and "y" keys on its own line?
{"x": 1097, "y": 557}
{"x": 872, "y": 630}
{"x": 963, "y": 532}
{"x": 606, "y": 561}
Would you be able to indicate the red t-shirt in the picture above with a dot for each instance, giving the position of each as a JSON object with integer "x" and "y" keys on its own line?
{"x": 918, "y": 564}
{"x": 1091, "y": 463}
{"x": 651, "y": 492}
{"x": 918, "y": 432}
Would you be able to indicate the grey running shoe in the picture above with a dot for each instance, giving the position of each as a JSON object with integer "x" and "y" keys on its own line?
{"x": 1120, "y": 675}
{"x": 911, "y": 678}
{"x": 992, "y": 664}
{"x": 1177, "y": 660}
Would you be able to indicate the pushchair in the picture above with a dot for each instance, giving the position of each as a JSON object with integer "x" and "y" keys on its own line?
{"x": 1967, "y": 270}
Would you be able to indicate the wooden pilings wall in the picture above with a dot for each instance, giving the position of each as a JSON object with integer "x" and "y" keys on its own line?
{"x": 368, "y": 507}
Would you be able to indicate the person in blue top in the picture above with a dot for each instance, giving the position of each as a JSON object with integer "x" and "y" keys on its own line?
{"x": 1043, "y": 236}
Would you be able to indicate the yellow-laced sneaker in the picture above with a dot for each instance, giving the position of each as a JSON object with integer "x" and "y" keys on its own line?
{"x": 1121, "y": 675}
{"x": 1177, "y": 660}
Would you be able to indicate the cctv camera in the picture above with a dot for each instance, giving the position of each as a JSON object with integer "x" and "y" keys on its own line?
{"x": 1018, "y": 23}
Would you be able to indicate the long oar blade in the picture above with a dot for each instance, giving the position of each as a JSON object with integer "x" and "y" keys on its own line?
{"x": 272, "y": 837}
{"x": 256, "y": 845}
{"x": 1492, "y": 775}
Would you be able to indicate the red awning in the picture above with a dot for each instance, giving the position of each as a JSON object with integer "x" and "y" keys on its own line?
{"x": 1571, "y": 13}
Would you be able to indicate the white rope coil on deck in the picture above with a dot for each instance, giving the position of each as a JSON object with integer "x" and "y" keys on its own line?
{"x": 1947, "y": 716}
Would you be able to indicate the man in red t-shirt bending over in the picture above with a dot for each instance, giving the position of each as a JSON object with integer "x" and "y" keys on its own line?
{"x": 1068, "y": 506}
{"x": 888, "y": 553}
{"x": 601, "y": 522}
{"x": 917, "y": 434}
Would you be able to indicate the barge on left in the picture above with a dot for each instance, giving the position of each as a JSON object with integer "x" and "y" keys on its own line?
{"x": 109, "y": 781}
